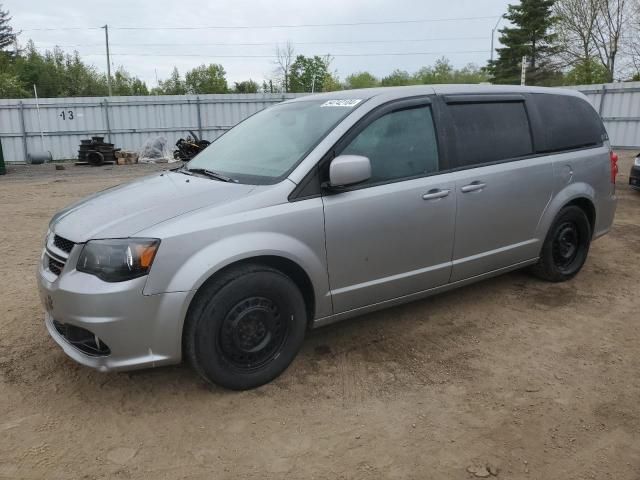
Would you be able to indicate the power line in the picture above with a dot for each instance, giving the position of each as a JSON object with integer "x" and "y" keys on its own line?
{"x": 255, "y": 44}
{"x": 299, "y": 25}
{"x": 310, "y": 25}
{"x": 200, "y": 55}
{"x": 58, "y": 29}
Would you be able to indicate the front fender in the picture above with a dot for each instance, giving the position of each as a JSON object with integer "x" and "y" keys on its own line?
{"x": 205, "y": 262}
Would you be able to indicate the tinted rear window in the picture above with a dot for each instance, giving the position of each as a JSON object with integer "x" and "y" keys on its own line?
{"x": 568, "y": 122}
{"x": 491, "y": 132}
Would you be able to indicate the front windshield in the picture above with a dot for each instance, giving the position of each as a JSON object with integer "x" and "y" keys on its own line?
{"x": 268, "y": 145}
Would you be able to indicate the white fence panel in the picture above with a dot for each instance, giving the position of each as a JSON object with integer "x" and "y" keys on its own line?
{"x": 125, "y": 121}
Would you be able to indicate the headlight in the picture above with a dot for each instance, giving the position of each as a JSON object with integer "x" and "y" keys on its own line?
{"x": 637, "y": 161}
{"x": 118, "y": 260}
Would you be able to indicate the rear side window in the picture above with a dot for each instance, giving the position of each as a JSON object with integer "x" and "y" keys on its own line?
{"x": 491, "y": 132}
{"x": 400, "y": 144}
{"x": 568, "y": 122}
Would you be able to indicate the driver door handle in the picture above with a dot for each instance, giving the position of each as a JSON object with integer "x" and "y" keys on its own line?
{"x": 435, "y": 194}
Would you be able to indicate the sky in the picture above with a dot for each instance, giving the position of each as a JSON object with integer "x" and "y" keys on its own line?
{"x": 425, "y": 30}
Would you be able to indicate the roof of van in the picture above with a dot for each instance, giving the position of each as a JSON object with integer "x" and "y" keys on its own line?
{"x": 366, "y": 93}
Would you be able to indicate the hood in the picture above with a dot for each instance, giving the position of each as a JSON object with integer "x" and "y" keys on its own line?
{"x": 124, "y": 210}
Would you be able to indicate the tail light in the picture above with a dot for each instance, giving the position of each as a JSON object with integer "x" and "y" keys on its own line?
{"x": 614, "y": 166}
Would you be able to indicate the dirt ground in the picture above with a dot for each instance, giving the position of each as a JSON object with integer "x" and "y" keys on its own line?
{"x": 541, "y": 381}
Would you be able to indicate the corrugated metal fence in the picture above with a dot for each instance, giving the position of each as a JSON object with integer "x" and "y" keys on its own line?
{"x": 125, "y": 121}
{"x": 129, "y": 121}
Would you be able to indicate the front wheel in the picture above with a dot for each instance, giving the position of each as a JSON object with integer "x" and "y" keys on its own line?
{"x": 245, "y": 327}
{"x": 566, "y": 247}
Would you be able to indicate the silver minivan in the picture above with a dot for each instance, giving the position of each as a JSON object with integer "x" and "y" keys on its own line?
{"x": 319, "y": 209}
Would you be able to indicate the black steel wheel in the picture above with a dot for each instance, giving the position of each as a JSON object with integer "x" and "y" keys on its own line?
{"x": 566, "y": 247}
{"x": 245, "y": 327}
{"x": 252, "y": 333}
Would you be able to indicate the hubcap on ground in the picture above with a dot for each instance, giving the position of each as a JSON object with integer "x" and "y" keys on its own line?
{"x": 252, "y": 333}
{"x": 566, "y": 244}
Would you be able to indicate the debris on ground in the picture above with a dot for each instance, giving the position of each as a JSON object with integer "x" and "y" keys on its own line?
{"x": 126, "y": 157}
{"x": 189, "y": 147}
{"x": 155, "y": 150}
{"x": 479, "y": 471}
{"x": 96, "y": 152}
{"x": 483, "y": 471}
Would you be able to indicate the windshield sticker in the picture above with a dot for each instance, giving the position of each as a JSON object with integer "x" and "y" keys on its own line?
{"x": 349, "y": 103}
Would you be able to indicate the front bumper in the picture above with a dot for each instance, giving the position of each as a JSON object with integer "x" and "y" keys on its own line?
{"x": 634, "y": 178}
{"x": 139, "y": 330}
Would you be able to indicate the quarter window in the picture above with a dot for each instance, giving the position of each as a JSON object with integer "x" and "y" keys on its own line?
{"x": 569, "y": 122}
{"x": 491, "y": 132}
{"x": 400, "y": 144}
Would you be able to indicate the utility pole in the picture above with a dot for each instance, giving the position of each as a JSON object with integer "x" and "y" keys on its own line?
{"x": 106, "y": 37}
{"x": 493, "y": 34}
{"x": 523, "y": 76}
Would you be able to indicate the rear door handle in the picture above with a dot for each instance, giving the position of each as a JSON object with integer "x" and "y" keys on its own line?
{"x": 473, "y": 187}
{"x": 435, "y": 194}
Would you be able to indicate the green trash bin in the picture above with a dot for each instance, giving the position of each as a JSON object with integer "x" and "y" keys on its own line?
{"x": 3, "y": 169}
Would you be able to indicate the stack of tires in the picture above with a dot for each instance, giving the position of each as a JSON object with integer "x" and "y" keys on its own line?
{"x": 96, "y": 152}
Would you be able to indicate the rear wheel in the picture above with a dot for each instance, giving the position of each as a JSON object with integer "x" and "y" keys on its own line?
{"x": 566, "y": 247}
{"x": 245, "y": 327}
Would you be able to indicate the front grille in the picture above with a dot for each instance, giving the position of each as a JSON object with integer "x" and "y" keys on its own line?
{"x": 82, "y": 339}
{"x": 63, "y": 244}
{"x": 55, "y": 266}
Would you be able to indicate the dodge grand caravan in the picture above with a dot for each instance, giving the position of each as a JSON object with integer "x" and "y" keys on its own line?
{"x": 322, "y": 208}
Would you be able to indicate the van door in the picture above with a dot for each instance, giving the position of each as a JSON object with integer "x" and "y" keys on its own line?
{"x": 392, "y": 235}
{"x": 502, "y": 188}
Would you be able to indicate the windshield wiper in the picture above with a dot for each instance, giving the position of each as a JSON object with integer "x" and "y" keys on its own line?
{"x": 208, "y": 173}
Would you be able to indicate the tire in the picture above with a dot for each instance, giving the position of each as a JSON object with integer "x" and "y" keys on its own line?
{"x": 566, "y": 246}
{"x": 95, "y": 158}
{"x": 245, "y": 327}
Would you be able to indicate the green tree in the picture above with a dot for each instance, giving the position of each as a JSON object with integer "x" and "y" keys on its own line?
{"x": 530, "y": 36}
{"x": 309, "y": 74}
{"x": 124, "y": 84}
{"x": 361, "y": 80}
{"x": 587, "y": 72}
{"x": 397, "y": 78}
{"x": 247, "y": 86}
{"x": 470, "y": 73}
{"x": 174, "y": 85}
{"x": 331, "y": 83}
{"x": 57, "y": 74}
{"x": 54, "y": 72}
{"x": 7, "y": 35}
{"x": 268, "y": 87}
{"x": 44, "y": 70}
{"x": 206, "y": 79}
{"x": 81, "y": 80}
{"x": 443, "y": 72}
{"x": 11, "y": 87}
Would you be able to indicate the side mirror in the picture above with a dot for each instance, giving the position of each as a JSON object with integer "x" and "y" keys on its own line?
{"x": 348, "y": 170}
